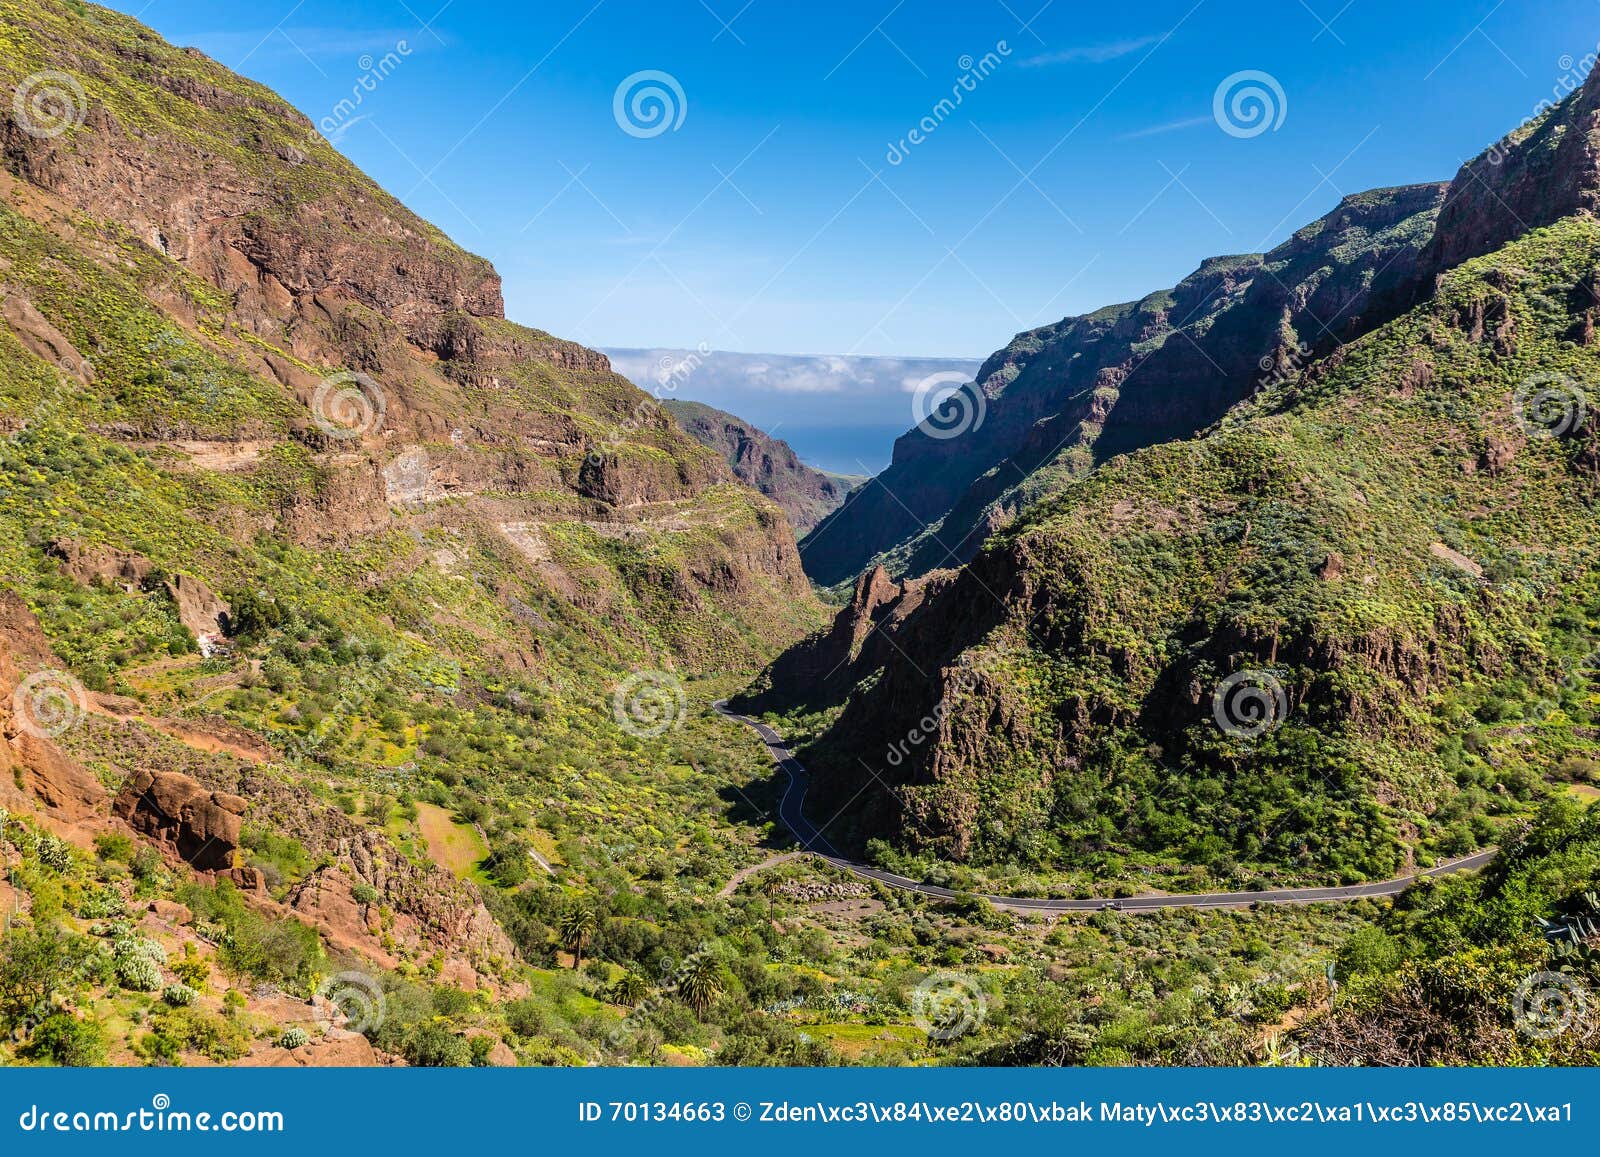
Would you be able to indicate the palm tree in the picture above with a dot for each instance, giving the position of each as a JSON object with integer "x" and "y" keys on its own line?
{"x": 577, "y": 926}
{"x": 700, "y": 983}
{"x": 630, "y": 989}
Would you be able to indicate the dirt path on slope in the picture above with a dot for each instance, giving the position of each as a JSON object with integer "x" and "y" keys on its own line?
{"x": 744, "y": 874}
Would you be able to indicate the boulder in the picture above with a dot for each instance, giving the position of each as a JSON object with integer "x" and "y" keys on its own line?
{"x": 86, "y": 563}
{"x": 201, "y": 826}
{"x": 247, "y": 879}
{"x": 171, "y": 912}
{"x": 199, "y": 608}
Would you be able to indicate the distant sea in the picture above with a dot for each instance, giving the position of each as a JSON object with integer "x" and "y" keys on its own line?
{"x": 841, "y": 413}
{"x": 842, "y": 449}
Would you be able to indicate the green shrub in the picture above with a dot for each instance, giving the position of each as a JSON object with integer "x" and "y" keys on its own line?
{"x": 63, "y": 1039}
{"x": 191, "y": 969}
{"x": 294, "y": 1038}
{"x": 138, "y": 974}
{"x": 114, "y": 847}
{"x": 282, "y": 951}
{"x": 432, "y": 1045}
{"x": 176, "y": 1031}
{"x": 147, "y": 864}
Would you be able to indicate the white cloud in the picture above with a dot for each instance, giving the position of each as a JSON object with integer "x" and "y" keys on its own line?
{"x": 1092, "y": 53}
{"x": 1169, "y": 127}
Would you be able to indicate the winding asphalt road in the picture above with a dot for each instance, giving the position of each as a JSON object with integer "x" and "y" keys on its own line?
{"x": 791, "y": 810}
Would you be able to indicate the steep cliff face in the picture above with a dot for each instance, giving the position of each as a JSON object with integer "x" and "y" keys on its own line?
{"x": 823, "y": 670}
{"x": 217, "y": 284}
{"x": 1353, "y": 546}
{"x": 35, "y": 773}
{"x": 1301, "y": 638}
{"x": 1541, "y": 172}
{"x": 766, "y": 463}
{"x": 1074, "y": 393}
{"x": 1063, "y": 398}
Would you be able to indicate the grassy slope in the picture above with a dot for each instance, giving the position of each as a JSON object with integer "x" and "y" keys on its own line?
{"x": 1422, "y": 699}
{"x": 423, "y": 662}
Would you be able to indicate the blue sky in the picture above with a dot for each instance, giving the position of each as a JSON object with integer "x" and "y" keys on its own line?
{"x": 1085, "y": 166}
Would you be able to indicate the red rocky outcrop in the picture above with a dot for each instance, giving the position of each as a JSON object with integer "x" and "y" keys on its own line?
{"x": 201, "y": 826}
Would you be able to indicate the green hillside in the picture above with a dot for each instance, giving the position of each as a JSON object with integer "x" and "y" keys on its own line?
{"x": 1424, "y": 629}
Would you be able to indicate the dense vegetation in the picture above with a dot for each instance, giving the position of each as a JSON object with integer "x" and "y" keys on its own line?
{"x": 470, "y": 661}
{"x": 1425, "y": 636}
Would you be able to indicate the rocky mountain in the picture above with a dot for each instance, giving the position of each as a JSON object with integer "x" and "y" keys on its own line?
{"x": 358, "y": 645}
{"x": 1066, "y": 397}
{"x": 331, "y": 595}
{"x": 1059, "y": 400}
{"x": 766, "y": 463}
{"x": 1313, "y": 591}
{"x": 192, "y": 274}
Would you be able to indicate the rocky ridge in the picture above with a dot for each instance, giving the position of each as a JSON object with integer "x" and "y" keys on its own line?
{"x": 1349, "y": 541}
{"x": 766, "y": 463}
{"x": 1070, "y": 395}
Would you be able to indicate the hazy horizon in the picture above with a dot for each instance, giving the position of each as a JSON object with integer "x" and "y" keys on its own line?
{"x": 868, "y": 401}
